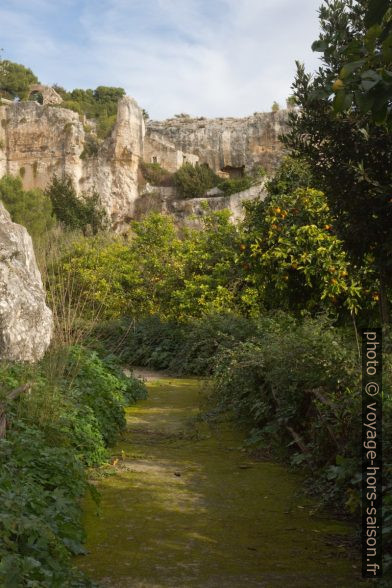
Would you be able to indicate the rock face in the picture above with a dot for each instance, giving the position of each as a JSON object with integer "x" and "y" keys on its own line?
{"x": 228, "y": 145}
{"x": 25, "y": 320}
{"x": 189, "y": 211}
{"x": 49, "y": 95}
{"x": 37, "y": 142}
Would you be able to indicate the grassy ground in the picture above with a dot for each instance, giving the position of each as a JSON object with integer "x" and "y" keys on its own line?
{"x": 187, "y": 507}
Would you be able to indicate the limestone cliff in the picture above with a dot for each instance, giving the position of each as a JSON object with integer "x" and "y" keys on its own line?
{"x": 25, "y": 320}
{"x": 37, "y": 142}
{"x": 228, "y": 145}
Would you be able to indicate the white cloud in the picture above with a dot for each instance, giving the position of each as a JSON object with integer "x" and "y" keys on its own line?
{"x": 213, "y": 58}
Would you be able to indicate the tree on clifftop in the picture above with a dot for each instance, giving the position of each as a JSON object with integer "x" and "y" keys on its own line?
{"x": 15, "y": 80}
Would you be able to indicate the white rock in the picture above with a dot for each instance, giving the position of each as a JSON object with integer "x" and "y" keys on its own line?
{"x": 26, "y": 323}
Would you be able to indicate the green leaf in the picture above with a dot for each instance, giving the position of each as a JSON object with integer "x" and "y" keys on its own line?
{"x": 348, "y": 100}
{"x": 364, "y": 101}
{"x": 381, "y": 114}
{"x": 387, "y": 49}
{"x": 370, "y": 78}
{"x": 319, "y": 46}
{"x": 371, "y": 37}
{"x": 349, "y": 68}
{"x": 339, "y": 101}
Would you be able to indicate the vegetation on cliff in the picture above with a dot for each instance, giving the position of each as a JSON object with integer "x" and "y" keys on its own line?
{"x": 15, "y": 80}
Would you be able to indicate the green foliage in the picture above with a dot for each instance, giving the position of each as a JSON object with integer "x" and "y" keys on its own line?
{"x": 91, "y": 147}
{"x": 15, "y": 80}
{"x": 291, "y": 174}
{"x": 84, "y": 212}
{"x": 275, "y": 107}
{"x": 194, "y": 181}
{"x": 30, "y": 208}
{"x": 365, "y": 77}
{"x": 53, "y": 434}
{"x": 99, "y": 105}
{"x": 183, "y": 349}
{"x": 348, "y": 153}
{"x": 234, "y": 185}
{"x": 294, "y": 250}
{"x": 155, "y": 174}
{"x": 106, "y": 393}
{"x": 159, "y": 273}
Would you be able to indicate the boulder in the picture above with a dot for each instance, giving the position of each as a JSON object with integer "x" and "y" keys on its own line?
{"x": 26, "y": 322}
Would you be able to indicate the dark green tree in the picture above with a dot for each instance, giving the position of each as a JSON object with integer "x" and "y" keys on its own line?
{"x": 82, "y": 212}
{"x": 15, "y": 80}
{"x": 348, "y": 153}
{"x": 194, "y": 181}
{"x": 30, "y": 208}
{"x": 365, "y": 78}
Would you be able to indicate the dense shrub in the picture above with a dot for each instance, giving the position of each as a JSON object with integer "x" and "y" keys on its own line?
{"x": 99, "y": 105}
{"x": 30, "y": 208}
{"x": 291, "y": 175}
{"x": 234, "y": 185}
{"x": 15, "y": 79}
{"x": 157, "y": 272}
{"x": 76, "y": 212}
{"x": 155, "y": 174}
{"x": 296, "y": 257}
{"x": 194, "y": 181}
{"x": 182, "y": 349}
{"x": 53, "y": 433}
{"x": 296, "y": 385}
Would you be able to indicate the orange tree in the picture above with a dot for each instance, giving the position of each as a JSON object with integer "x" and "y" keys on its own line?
{"x": 340, "y": 129}
{"x": 296, "y": 258}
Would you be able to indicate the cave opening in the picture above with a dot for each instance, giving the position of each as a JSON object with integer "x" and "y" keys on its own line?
{"x": 234, "y": 172}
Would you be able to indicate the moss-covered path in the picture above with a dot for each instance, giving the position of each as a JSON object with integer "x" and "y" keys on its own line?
{"x": 187, "y": 508}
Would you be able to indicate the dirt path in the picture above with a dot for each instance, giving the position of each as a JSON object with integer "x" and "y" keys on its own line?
{"x": 186, "y": 507}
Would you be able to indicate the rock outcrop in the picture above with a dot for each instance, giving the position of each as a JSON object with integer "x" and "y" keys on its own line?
{"x": 228, "y": 145}
{"x": 38, "y": 142}
{"x": 25, "y": 320}
{"x": 189, "y": 211}
{"x": 48, "y": 94}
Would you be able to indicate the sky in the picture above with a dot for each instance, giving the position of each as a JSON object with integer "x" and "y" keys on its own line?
{"x": 202, "y": 57}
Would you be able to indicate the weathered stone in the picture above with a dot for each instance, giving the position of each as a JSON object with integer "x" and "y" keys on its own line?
{"x": 190, "y": 211}
{"x": 38, "y": 142}
{"x": 49, "y": 94}
{"x": 228, "y": 145}
{"x": 25, "y": 320}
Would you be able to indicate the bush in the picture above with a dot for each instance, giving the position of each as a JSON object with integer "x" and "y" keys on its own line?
{"x": 155, "y": 174}
{"x": 30, "y": 208}
{"x": 76, "y": 212}
{"x": 53, "y": 433}
{"x": 235, "y": 185}
{"x": 291, "y": 174}
{"x": 99, "y": 105}
{"x": 195, "y": 181}
{"x": 91, "y": 147}
{"x": 182, "y": 349}
{"x": 15, "y": 79}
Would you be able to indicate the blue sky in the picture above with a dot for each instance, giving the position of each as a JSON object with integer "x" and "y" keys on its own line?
{"x": 202, "y": 57}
